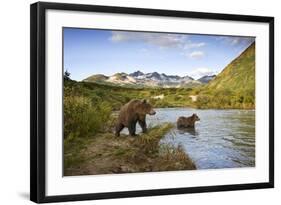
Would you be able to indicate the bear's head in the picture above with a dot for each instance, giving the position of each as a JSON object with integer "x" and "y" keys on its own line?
{"x": 195, "y": 117}
{"x": 146, "y": 108}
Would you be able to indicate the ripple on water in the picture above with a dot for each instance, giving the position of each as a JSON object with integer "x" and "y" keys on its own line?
{"x": 222, "y": 139}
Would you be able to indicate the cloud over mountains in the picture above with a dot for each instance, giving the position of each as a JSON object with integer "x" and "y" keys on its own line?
{"x": 200, "y": 72}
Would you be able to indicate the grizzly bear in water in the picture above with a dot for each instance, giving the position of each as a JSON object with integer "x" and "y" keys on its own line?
{"x": 131, "y": 113}
{"x": 187, "y": 122}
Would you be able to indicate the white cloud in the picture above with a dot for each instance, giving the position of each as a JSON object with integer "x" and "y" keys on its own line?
{"x": 196, "y": 54}
{"x": 158, "y": 39}
{"x": 189, "y": 45}
{"x": 162, "y": 40}
{"x": 236, "y": 40}
{"x": 200, "y": 72}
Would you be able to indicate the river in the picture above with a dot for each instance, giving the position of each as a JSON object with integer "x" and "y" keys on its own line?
{"x": 221, "y": 139}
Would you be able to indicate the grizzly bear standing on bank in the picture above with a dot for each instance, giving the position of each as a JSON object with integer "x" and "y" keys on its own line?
{"x": 187, "y": 122}
{"x": 131, "y": 113}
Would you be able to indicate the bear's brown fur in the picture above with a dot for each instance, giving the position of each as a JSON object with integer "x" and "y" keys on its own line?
{"x": 187, "y": 122}
{"x": 131, "y": 113}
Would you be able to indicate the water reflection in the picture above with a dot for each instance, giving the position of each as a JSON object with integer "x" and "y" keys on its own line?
{"x": 191, "y": 131}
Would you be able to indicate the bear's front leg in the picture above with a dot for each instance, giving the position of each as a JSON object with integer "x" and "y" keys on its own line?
{"x": 132, "y": 129}
{"x": 142, "y": 123}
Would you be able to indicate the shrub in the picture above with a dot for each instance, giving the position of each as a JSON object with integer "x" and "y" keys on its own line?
{"x": 202, "y": 101}
{"x": 83, "y": 118}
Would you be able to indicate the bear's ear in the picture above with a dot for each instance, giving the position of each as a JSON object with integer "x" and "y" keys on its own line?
{"x": 143, "y": 101}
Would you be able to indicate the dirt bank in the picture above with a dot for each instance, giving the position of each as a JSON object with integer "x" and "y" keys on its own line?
{"x": 107, "y": 154}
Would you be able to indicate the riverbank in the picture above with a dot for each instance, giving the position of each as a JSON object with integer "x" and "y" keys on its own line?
{"x": 107, "y": 154}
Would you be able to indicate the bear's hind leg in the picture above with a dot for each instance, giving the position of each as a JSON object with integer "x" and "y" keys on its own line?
{"x": 119, "y": 127}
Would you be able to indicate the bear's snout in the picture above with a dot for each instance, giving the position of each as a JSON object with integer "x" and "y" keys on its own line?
{"x": 152, "y": 112}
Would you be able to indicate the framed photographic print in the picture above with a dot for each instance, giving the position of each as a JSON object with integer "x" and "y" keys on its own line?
{"x": 129, "y": 102}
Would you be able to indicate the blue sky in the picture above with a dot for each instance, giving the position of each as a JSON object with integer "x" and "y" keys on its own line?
{"x": 92, "y": 51}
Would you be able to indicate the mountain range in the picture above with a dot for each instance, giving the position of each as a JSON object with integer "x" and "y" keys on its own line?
{"x": 154, "y": 79}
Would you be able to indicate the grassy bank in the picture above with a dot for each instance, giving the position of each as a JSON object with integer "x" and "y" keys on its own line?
{"x": 225, "y": 99}
{"x": 104, "y": 154}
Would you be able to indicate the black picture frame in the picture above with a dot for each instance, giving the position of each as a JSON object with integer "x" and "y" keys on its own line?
{"x": 38, "y": 103}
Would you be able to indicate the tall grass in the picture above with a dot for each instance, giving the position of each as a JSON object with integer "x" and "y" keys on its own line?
{"x": 82, "y": 117}
{"x": 241, "y": 100}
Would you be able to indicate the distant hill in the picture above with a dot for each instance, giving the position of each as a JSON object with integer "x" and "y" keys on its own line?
{"x": 239, "y": 75}
{"x": 96, "y": 78}
{"x": 206, "y": 78}
{"x": 234, "y": 86}
{"x": 140, "y": 79}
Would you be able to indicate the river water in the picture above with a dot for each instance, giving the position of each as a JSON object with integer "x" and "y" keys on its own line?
{"x": 221, "y": 139}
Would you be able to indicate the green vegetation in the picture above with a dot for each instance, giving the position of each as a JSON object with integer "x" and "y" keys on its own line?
{"x": 234, "y": 87}
{"x": 96, "y": 78}
{"x": 115, "y": 96}
{"x": 105, "y": 153}
{"x": 80, "y": 109}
